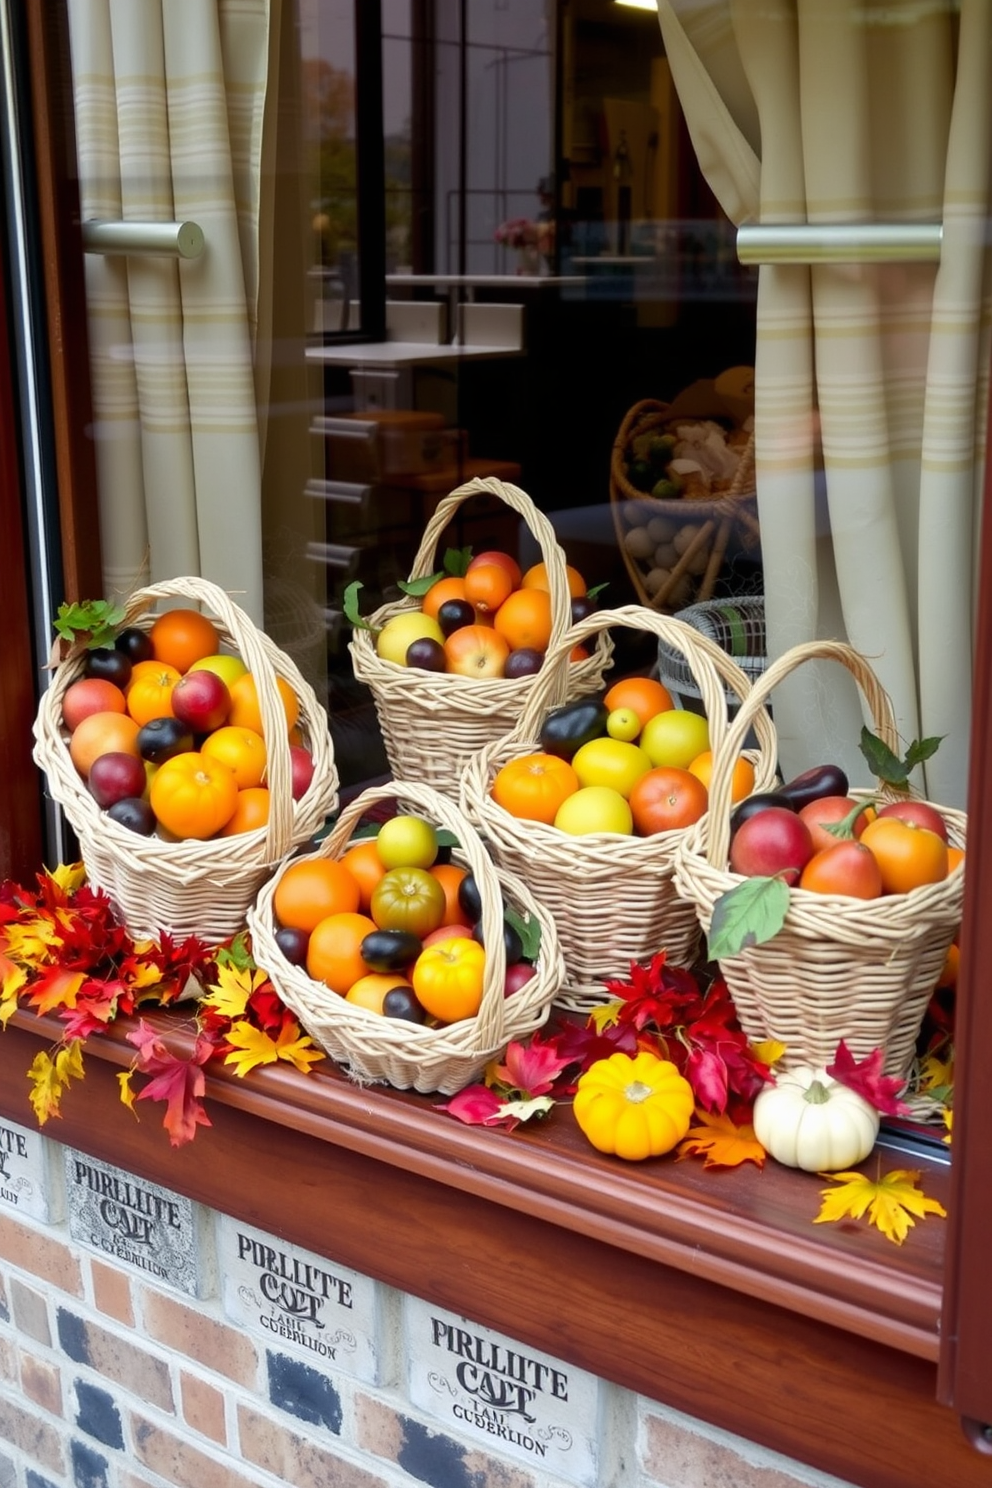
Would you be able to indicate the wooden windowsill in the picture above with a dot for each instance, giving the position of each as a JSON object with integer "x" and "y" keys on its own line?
{"x": 625, "y": 1257}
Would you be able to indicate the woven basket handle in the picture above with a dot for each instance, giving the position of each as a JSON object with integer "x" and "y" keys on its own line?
{"x": 251, "y": 647}
{"x": 710, "y": 665}
{"x": 536, "y": 522}
{"x": 491, "y": 1017}
{"x": 877, "y": 699}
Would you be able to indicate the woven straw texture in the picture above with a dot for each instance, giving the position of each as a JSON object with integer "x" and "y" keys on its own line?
{"x": 433, "y": 722}
{"x": 193, "y": 887}
{"x": 612, "y": 896}
{"x": 373, "y": 1048}
{"x": 840, "y": 968}
{"x": 694, "y": 575}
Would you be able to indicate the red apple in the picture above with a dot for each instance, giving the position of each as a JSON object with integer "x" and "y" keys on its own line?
{"x": 919, "y": 813}
{"x": 448, "y": 932}
{"x": 302, "y": 764}
{"x": 201, "y": 701}
{"x": 90, "y": 695}
{"x": 829, "y": 810}
{"x": 773, "y": 843}
{"x": 115, "y": 776}
{"x": 517, "y": 976}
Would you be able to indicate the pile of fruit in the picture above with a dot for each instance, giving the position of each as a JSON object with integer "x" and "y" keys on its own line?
{"x": 871, "y": 850}
{"x": 630, "y": 762}
{"x": 164, "y": 727}
{"x": 393, "y": 929}
{"x": 492, "y": 621}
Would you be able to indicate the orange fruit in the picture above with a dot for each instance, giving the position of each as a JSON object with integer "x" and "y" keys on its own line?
{"x": 487, "y": 586}
{"x": 312, "y": 889}
{"x": 642, "y": 695}
{"x": 90, "y": 695}
{"x": 193, "y": 796}
{"x": 439, "y": 593}
{"x": 537, "y": 578}
{"x": 363, "y": 862}
{"x": 955, "y": 855}
{"x": 241, "y": 750}
{"x": 251, "y": 811}
{"x": 845, "y": 868}
{"x": 449, "y": 876}
{"x": 245, "y": 712}
{"x": 148, "y": 695}
{"x": 949, "y": 971}
{"x": 102, "y": 733}
{"x": 369, "y": 991}
{"x": 334, "y": 951}
{"x": 534, "y": 786}
{"x": 502, "y": 560}
{"x": 741, "y": 781}
{"x": 180, "y": 637}
{"x": 524, "y": 620}
{"x": 908, "y": 856}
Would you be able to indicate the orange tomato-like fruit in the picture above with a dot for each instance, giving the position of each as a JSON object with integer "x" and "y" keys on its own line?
{"x": 476, "y": 651}
{"x": 524, "y": 620}
{"x": 665, "y": 800}
{"x": 908, "y": 856}
{"x": 449, "y": 876}
{"x": 148, "y": 695}
{"x": 955, "y": 855}
{"x": 193, "y": 796}
{"x": 250, "y": 812}
{"x": 370, "y": 990}
{"x": 363, "y": 862}
{"x": 741, "y": 781}
{"x": 102, "y": 733}
{"x": 180, "y": 637}
{"x": 844, "y": 868}
{"x": 534, "y": 786}
{"x": 439, "y": 594}
{"x": 951, "y": 967}
{"x": 502, "y": 560}
{"x": 310, "y": 890}
{"x": 487, "y": 586}
{"x": 334, "y": 954}
{"x": 245, "y": 711}
{"x": 241, "y": 750}
{"x": 536, "y": 577}
{"x": 449, "y": 978}
{"x": 829, "y": 810}
{"x": 642, "y": 695}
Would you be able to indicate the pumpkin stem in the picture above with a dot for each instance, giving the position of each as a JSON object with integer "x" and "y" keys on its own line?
{"x": 637, "y": 1091}
{"x": 816, "y": 1093}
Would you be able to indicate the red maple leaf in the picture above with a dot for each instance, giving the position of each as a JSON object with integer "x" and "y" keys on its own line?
{"x": 583, "y": 1045}
{"x": 531, "y": 1069}
{"x": 865, "y": 1076}
{"x": 476, "y": 1105}
{"x": 98, "y": 1003}
{"x": 179, "y": 1082}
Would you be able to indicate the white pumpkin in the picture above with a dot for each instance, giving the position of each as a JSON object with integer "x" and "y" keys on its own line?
{"x": 809, "y": 1120}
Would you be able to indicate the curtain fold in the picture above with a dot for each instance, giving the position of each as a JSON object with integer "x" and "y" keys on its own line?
{"x": 864, "y": 112}
{"x": 170, "y": 99}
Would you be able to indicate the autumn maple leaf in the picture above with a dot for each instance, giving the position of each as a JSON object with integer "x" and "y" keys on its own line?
{"x": 890, "y": 1202}
{"x": 479, "y": 1105}
{"x": 56, "y": 988}
{"x": 598, "y": 1039}
{"x": 178, "y": 1082}
{"x": 721, "y": 1143}
{"x": 528, "y": 1069}
{"x": 865, "y": 1076}
{"x": 250, "y": 1047}
{"x": 50, "y": 1078}
{"x": 98, "y": 1004}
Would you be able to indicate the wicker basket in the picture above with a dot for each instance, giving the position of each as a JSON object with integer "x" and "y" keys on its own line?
{"x": 408, "y": 1055}
{"x": 840, "y": 968}
{"x": 193, "y": 887}
{"x": 432, "y": 722}
{"x": 716, "y": 518}
{"x": 611, "y": 896}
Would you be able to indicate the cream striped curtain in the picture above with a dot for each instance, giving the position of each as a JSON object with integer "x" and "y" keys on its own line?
{"x": 836, "y": 111}
{"x": 170, "y": 98}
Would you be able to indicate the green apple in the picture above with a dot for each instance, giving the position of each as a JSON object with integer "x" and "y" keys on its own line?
{"x": 398, "y": 634}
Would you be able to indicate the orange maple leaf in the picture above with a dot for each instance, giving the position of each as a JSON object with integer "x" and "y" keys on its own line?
{"x": 55, "y": 988}
{"x": 723, "y": 1144}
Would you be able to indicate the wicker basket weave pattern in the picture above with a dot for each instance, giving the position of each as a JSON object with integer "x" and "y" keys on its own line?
{"x": 464, "y": 713}
{"x": 194, "y": 887}
{"x": 408, "y": 1055}
{"x": 612, "y": 897}
{"x": 840, "y": 968}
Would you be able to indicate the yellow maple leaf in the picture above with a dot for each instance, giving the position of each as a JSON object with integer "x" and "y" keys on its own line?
{"x": 723, "y": 1144}
{"x": 948, "y": 1116}
{"x": 890, "y": 1201}
{"x": 31, "y": 941}
{"x": 68, "y": 876}
{"x": 234, "y": 987}
{"x": 252, "y": 1046}
{"x": 936, "y": 1073}
{"x": 51, "y": 1077}
{"x": 126, "y": 1093}
{"x": 12, "y": 979}
{"x": 769, "y": 1051}
{"x": 605, "y": 1015}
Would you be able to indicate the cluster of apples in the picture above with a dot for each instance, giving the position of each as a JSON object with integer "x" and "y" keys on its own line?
{"x": 493, "y": 621}
{"x": 165, "y": 729}
{"x": 812, "y": 834}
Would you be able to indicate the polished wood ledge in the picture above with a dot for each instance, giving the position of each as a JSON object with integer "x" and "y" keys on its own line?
{"x": 712, "y": 1292}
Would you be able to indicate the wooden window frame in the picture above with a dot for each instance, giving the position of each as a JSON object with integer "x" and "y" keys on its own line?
{"x": 711, "y": 1294}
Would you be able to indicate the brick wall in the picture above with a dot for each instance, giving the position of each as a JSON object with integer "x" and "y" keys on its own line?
{"x": 145, "y": 1342}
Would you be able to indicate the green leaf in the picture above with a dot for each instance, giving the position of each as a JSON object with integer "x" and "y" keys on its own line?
{"x": 456, "y": 562}
{"x": 237, "y": 953}
{"x": 887, "y": 766}
{"x": 843, "y": 830}
{"x": 416, "y": 588}
{"x": 95, "y": 620}
{"x": 446, "y": 838}
{"x": 748, "y": 914}
{"x": 922, "y": 749}
{"x": 597, "y": 589}
{"x": 350, "y": 607}
{"x": 529, "y": 931}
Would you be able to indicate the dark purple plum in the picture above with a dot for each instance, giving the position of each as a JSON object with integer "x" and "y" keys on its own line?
{"x": 455, "y": 613}
{"x": 582, "y": 606}
{"x": 523, "y": 662}
{"x": 115, "y": 776}
{"x": 161, "y": 738}
{"x": 401, "y": 1002}
{"x": 135, "y": 814}
{"x": 109, "y": 664}
{"x": 293, "y": 944}
{"x": 135, "y": 643}
{"x": 427, "y": 654}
